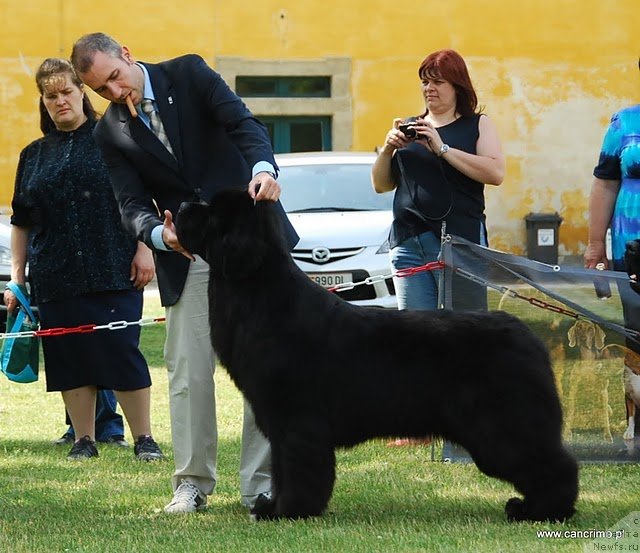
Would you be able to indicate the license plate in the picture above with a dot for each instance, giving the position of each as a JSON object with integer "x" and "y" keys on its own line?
{"x": 330, "y": 279}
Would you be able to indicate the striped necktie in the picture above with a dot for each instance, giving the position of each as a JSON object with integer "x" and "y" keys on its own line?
{"x": 156, "y": 123}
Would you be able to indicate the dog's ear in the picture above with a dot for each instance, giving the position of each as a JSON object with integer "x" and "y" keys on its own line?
{"x": 632, "y": 249}
{"x": 239, "y": 245}
{"x": 192, "y": 225}
{"x": 270, "y": 225}
{"x": 571, "y": 334}
{"x": 599, "y": 337}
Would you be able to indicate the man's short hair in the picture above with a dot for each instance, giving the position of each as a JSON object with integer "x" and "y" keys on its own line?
{"x": 85, "y": 49}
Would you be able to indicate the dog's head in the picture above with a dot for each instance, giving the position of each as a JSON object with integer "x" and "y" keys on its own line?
{"x": 234, "y": 234}
{"x": 586, "y": 334}
{"x": 632, "y": 263}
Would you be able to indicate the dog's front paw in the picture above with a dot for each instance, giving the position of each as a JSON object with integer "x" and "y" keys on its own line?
{"x": 515, "y": 509}
{"x": 629, "y": 434}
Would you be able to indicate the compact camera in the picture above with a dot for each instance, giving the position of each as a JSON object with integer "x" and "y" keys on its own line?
{"x": 408, "y": 130}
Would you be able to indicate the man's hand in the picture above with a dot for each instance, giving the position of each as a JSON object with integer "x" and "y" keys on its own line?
{"x": 264, "y": 187}
{"x": 170, "y": 238}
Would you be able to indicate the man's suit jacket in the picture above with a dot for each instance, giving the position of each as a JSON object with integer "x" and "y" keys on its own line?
{"x": 216, "y": 141}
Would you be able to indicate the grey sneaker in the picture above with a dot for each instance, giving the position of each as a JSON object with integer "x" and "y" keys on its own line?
{"x": 66, "y": 439}
{"x": 84, "y": 448}
{"x": 117, "y": 440}
{"x": 146, "y": 449}
{"x": 186, "y": 499}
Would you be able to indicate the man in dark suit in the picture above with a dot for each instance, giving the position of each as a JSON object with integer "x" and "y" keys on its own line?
{"x": 183, "y": 135}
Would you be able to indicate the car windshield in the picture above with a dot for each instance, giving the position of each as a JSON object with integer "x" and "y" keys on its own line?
{"x": 330, "y": 187}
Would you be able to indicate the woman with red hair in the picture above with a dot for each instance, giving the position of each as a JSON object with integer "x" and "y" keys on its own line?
{"x": 438, "y": 163}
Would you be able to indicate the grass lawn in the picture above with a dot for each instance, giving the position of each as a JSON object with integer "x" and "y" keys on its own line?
{"x": 385, "y": 500}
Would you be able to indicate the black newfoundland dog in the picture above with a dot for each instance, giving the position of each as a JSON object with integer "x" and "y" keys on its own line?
{"x": 632, "y": 263}
{"x": 321, "y": 373}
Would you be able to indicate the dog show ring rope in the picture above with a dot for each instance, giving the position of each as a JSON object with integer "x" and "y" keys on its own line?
{"x": 432, "y": 266}
{"x": 82, "y": 329}
{"x": 117, "y": 325}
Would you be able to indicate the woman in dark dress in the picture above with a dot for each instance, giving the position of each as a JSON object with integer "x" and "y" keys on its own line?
{"x": 83, "y": 267}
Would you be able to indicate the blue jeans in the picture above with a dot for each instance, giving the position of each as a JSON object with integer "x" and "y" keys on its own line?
{"x": 419, "y": 291}
{"x": 108, "y": 422}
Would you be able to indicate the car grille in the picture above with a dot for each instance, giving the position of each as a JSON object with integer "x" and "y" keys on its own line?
{"x": 334, "y": 255}
{"x": 362, "y": 292}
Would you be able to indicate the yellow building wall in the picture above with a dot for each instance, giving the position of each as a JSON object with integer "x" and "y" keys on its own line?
{"x": 549, "y": 73}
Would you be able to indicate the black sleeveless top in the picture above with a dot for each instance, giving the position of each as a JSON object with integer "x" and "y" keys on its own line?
{"x": 429, "y": 190}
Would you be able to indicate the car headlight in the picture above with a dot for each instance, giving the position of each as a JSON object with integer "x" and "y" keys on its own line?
{"x": 384, "y": 248}
{"x": 5, "y": 256}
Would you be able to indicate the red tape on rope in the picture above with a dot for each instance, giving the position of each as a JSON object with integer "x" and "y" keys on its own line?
{"x": 82, "y": 329}
{"x": 433, "y": 266}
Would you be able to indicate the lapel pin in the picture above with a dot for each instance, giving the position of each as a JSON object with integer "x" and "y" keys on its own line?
{"x": 170, "y": 99}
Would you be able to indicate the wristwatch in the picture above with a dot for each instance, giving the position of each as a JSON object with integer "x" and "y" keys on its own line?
{"x": 443, "y": 150}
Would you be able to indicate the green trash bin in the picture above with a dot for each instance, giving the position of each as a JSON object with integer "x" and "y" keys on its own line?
{"x": 543, "y": 236}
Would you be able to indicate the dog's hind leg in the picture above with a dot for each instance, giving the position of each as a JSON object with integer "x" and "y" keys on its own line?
{"x": 546, "y": 475}
{"x": 570, "y": 408}
{"x": 606, "y": 413}
{"x": 630, "y": 432}
{"x": 550, "y": 489}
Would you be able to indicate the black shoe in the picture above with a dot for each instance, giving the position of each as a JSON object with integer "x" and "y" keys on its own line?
{"x": 146, "y": 449}
{"x": 84, "y": 448}
{"x": 66, "y": 439}
{"x": 263, "y": 501}
{"x": 116, "y": 439}
{"x": 264, "y": 507}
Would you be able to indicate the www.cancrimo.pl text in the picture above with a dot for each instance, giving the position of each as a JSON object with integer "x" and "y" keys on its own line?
{"x": 591, "y": 534}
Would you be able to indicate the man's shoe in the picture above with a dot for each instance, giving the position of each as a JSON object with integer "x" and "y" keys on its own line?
{"x": 117, "y": 440}
{"x": 262, "y": 501}
{"x": 65, "y": 439}
{"x": 186, "y": 499}
{"x": 263, "y": 507}
{"x": 84, "y": 448}
{"x": 250, "y": 501}
{"x": 146, "y": 449}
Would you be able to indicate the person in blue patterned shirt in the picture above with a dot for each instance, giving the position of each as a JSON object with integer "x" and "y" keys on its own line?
{"x": 615, "y": 203}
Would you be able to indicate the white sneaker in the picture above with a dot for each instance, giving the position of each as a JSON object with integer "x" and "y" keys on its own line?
{"x": 186, "y": 499}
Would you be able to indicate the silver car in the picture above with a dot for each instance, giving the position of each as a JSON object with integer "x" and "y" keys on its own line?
{"x": 343, "y": 224}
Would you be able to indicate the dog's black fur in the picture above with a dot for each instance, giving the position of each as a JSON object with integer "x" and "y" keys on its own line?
{"x": 321, "y": 373}
{"x": 632, "y": 263}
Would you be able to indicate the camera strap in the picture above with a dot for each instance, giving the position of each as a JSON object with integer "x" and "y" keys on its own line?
{"x": 412, "y": 187}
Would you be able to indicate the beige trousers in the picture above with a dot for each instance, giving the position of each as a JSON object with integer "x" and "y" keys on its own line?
{"x": 191, "y": 364}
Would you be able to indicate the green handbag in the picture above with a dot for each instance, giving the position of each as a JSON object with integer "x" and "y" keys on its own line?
{"x": 19, "y": 357}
